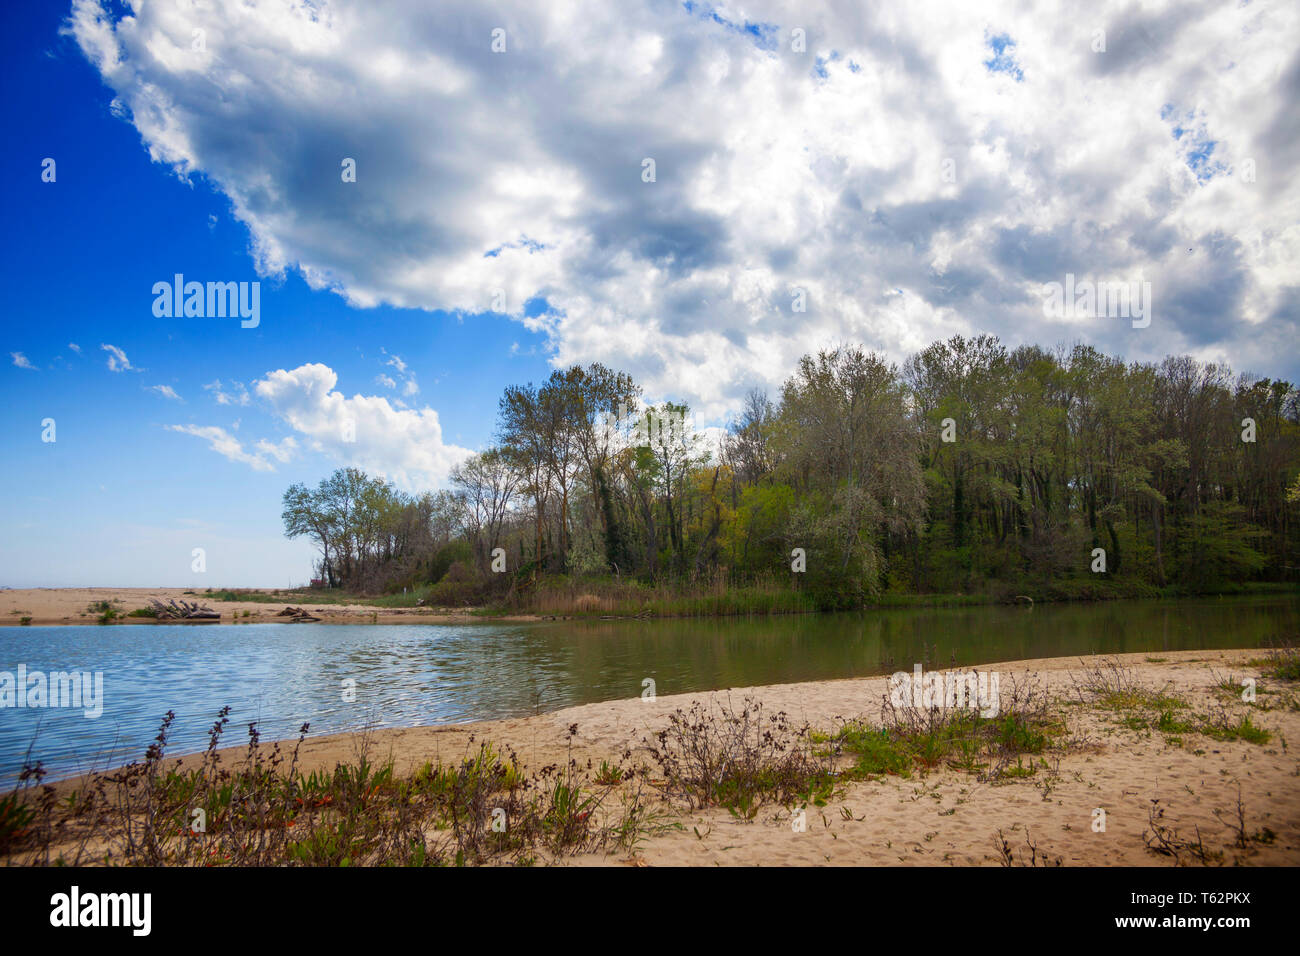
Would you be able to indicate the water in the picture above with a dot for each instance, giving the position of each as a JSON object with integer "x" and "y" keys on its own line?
{"x": 281, "y": 675}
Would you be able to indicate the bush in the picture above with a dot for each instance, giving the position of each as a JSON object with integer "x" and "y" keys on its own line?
{"x": 463, "y": 586}
{"x": 833, "y": 590}
{"x": 454, "y": 552}
{"x": 739, "y": 758}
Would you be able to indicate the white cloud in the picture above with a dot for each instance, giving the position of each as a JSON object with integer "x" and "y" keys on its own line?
{"x": 385, "y": 380}
{"x": 281, "y": 452}
{"x": 117, "y": 360}
{"x": 75, "y": 347}
{"x": 238, "y": 394}
{"x": 824, "y": 171}
{"x": 228, "y": 446}
{"x": 409, "y": 385}
{"x": 20, "y": 360}
{"x": 166, "y": 391}
{"x": 406, "y": 445}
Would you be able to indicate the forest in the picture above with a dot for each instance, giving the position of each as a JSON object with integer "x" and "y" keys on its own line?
{"x": 969, "y": 470}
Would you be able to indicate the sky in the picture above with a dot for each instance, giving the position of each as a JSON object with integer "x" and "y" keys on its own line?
{"x": 440, "y": 200}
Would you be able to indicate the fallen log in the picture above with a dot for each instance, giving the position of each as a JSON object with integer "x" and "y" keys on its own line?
{"x": 183, "y": 611}
{"x": 297, "y": 615}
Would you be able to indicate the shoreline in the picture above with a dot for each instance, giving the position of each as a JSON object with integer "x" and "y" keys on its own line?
{"x": 60, "y": 607}
{"x": 940, "y": 816}
{"x": 828, "y": 701}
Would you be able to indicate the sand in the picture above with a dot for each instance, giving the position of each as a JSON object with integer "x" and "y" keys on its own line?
{"x": 61, "y": 606}
{"x": 942, "y": 817}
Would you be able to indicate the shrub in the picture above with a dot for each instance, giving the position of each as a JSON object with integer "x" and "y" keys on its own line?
{"x": 461, "y": 586}
{"x": 263, "y": 810}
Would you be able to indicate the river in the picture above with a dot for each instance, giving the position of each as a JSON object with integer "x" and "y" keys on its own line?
{"x": 282, "y": 675}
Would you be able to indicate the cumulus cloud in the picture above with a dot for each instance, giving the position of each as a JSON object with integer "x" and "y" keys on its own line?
{"x": 117, "y": 360}
{"x": 166, "y": 391}
{"x": 916, "y": 171}
{"x": 20, "y": 360}
{"x": 228, "y": 446}
{"x": 406, "y": 445}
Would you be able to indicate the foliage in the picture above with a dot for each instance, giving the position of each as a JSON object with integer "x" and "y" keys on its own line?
{"x": 971, "y": 470}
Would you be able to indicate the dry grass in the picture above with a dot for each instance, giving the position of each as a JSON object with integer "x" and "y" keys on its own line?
{"x": 714, "y": 595}
{"x": 264, "y": 811}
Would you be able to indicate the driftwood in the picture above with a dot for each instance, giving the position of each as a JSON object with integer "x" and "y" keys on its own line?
{"x": 297, "y": 615}
{"x": 183, "y": 610}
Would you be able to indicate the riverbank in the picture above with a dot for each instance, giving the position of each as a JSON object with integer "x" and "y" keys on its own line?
{"x": 1185, "y": 770}
{"x": 599, "y": 597}
{"x": 48, "y": 607}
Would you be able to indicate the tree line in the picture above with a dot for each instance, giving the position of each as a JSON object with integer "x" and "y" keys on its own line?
{"x": 971, "y": 467}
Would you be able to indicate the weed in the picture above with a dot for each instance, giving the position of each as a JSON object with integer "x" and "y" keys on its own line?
{"x": 264, "y": 811}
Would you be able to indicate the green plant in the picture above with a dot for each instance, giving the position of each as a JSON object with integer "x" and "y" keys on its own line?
{"x": 105, "y": 610}
{"x": 15, "y": 817}
{"x": 738, "y": 758}
{"x": 1283, "y": 662}
{"x": 1223, "y": 727}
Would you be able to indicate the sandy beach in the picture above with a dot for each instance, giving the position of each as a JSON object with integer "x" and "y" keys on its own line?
{"x": 943, "y": 816}
{"x": 61, "y": 606}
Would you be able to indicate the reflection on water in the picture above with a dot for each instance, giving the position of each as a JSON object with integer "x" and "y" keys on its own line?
{"x": 282, "y": 675}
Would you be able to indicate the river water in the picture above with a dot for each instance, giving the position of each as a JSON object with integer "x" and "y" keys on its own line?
{"x": 282, "y": 675}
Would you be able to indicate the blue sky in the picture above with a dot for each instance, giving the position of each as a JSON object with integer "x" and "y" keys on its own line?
{"x": 117, "y": 499}
{"x": 914, "y": 174}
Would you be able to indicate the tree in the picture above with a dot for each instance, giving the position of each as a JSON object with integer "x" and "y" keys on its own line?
{"x": 974, "y": 468}
{"x": 304, "y": 514}
{"x": 845, "y": 435}
{"x": 525, "y": 437}
{"x": 485, "y": 487}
